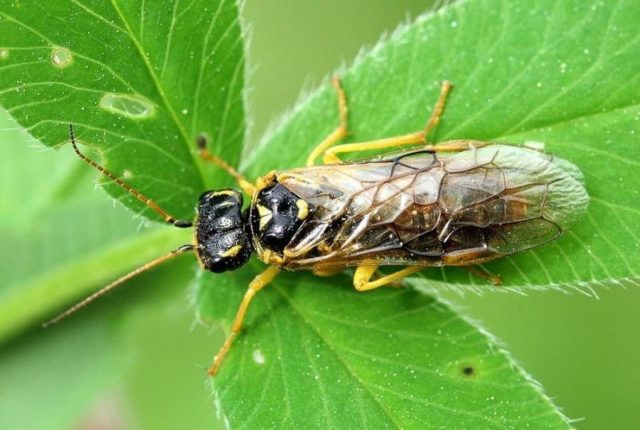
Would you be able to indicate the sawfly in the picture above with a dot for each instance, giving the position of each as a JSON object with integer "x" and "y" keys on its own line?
{"x": 456, "y": 203}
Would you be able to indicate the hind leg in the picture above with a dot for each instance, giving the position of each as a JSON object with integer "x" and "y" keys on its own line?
{"x": 416, "y": 138}
{"x": 340, "y": 132}
{"x": 362, "y": 278}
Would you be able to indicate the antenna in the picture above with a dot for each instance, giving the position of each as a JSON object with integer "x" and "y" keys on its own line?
{"x": 73, "y": 309}
{"x": 135, "y": 193}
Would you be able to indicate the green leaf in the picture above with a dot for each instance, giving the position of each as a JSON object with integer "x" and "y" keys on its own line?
{"x": 139, "y": 80}
{"x": 561, "y": 73}
{"x": 320, "y": 354}
{"x": 96, "y": 364}
{"x": 140, "y": 100}
{"x": 64, "y": 240}
{"x": 324, "y": 351}
{"x": 61, "y": 240}
{"x": 73, "y": 365}
{"x": 165, "y": 335}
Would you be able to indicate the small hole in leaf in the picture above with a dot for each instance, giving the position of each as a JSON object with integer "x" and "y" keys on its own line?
{"x": 61, "y": 57}
{"x": 130, "y": 105}
{"x": 468, "y": 370}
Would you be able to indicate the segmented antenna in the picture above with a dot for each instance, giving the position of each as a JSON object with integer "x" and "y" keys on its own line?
{"x": 117, "y": 282}
{"x": 135, "y": 193}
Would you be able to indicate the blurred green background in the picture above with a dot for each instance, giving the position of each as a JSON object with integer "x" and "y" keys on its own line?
{"x": 137, "y": 359}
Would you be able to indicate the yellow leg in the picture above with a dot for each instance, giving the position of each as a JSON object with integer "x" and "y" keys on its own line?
{"x": 494, "y": 279}
{"x": 327, "y": 272}
{"x": 416, "y": 138}
{"x": 434, "y": 119}
{"x": 362, "y": 277}
{"x": 258, "y": 283}
{"x": 205, "y": 154}
{"x": 340, "y": 131}
{"x": 413, "y": 138}
{"x": 330, "y": 156}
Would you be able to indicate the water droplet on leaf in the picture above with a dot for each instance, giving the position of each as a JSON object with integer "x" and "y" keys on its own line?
{"x": 258, "y": 357}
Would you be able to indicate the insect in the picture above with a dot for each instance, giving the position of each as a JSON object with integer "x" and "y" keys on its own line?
{"x": 457, "y": 203}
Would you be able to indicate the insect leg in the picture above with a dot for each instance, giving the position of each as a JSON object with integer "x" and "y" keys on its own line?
{"x": 362, "y": 277}
{"x": 467, "y": 257}
{"x": 327, "y": 272}
{"x": 475, "y": 271}
{"x": 205, "y": 154}
{"x": 340, "y": 131}
{"x": 258, "y": 283}
{"x": 415, "y": 138}
{"x": 436, "y": 113}
{"x": 456, "y": 145}
{"x": 330, "y": 156}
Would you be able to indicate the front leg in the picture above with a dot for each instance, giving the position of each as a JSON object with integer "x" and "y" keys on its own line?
{"x": 205, "y": 154}
{"x": 258, "y": 283}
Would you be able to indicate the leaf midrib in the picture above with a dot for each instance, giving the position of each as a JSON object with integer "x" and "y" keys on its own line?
{"x": 281, "y": 291}
{"x": 338, "y": 357}
{"x": 160, "y": 89}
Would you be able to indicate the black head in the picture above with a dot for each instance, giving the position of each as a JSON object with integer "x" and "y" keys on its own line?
{"x": 223, "y": 239}
{"x": 276, "y": 216}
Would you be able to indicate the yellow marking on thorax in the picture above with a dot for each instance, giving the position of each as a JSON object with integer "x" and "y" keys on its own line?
{"x": 265, "y": 216}
{"x": 303, "y": 209}
{"x": 231, "y": 252}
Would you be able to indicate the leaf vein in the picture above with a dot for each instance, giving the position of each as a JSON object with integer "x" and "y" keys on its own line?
{"x": 161, "y": 92}
{"x": 339, "y": 359}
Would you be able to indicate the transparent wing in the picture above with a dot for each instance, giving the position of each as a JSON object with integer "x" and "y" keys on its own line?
{"x": 433, "y": 209}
